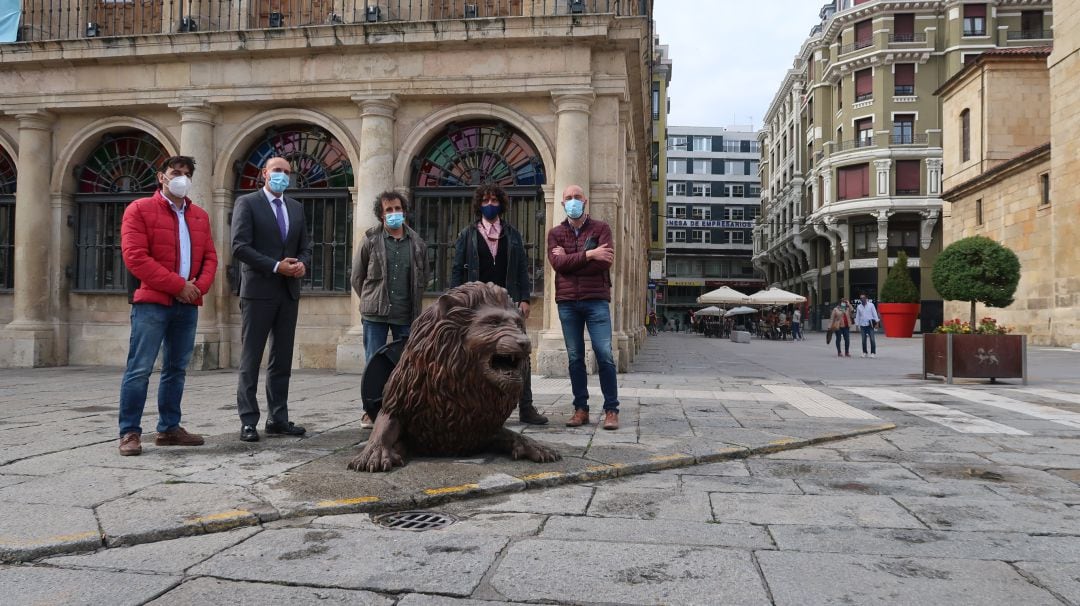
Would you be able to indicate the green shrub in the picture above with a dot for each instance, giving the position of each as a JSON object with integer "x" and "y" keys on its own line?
{"x": 898, "y": 287}
{"x": 978, "y": 270}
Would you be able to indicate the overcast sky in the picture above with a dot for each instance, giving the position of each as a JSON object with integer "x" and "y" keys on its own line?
{"x": 729, "y": 56}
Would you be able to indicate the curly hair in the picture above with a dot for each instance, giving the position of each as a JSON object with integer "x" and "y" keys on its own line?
{"x": 437, "y": 389}
{"x": 489, "y": 190}
{"x": 390, "y": 195}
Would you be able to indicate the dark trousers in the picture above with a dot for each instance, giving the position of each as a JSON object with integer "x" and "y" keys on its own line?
{"x": 262, "y": 319}
{"x": 845, "y": 334}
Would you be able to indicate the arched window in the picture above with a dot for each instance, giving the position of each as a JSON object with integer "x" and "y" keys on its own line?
{"x": 445, "y": 175}
{"x": 8, "y": 174}
{"x": 321, "y": 177}
{"x": 122, "y": 168}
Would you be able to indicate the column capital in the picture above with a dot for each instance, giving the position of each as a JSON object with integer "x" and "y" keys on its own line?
{"x": 578, "y": 99}
{"x": 384, "y": 105}
{"x": 194, "y": 111}
{"x": 36, "y": 119}
{"x": 883, "y": 165}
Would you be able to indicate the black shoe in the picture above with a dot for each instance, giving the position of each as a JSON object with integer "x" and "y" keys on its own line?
{"x": 248, "y": 433}
{"x": 284, "y": 429}
{"x": 528, "y": 414}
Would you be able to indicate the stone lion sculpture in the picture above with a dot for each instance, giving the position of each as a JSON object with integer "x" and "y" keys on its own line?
{"x": 458, "y": 380}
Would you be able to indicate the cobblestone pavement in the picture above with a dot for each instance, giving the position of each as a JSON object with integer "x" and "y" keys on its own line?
{"x": 735, "y": 488}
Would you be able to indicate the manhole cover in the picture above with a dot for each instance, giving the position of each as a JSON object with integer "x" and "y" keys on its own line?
{"x": 416, "y": 521}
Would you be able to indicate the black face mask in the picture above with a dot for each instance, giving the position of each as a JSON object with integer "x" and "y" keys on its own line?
{"x": 491, "y": 211}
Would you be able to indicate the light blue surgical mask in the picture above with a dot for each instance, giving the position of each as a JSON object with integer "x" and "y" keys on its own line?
{"x": 278, "y": 182}
{"x": 574, "y": 208}
{"x": 395, "y": 220}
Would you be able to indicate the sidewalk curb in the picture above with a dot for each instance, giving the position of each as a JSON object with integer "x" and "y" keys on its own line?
{"x": 492, "y": 485}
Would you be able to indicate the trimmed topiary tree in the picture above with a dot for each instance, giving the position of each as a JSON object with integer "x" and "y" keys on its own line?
{"x": 898, "y": 286}
{"x": 979, "y": 270}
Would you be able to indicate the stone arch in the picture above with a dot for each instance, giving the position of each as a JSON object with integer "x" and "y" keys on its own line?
{"x": 253, "y": 129}
{"x": 433, "y": 125}
{"x": 9, "y": 145}
{"x": 89, "y": 137}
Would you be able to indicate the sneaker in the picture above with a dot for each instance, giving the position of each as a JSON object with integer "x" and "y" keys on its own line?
{"x": 581, "y": 417}
{"x": 863, "y": 354}
{"x": 611, "y": 419}
{"x": 366, "y": 422}
{"x": 873, "y": 355}
{"x": 847, "y": 355}
{"x": 839, "y": 355}
{"x": 178, "y": 437}
{"x": 130, "y": 445}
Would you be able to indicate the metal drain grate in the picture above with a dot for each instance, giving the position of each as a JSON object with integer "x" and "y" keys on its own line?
{"x": 415, "y": 521}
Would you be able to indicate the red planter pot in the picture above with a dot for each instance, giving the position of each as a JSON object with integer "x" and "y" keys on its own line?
{"x": 898, "y": 318}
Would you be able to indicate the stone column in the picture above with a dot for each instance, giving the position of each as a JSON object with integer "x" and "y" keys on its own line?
{"x": 29, "y": 340}
{"x": 882, "y": 247}
{"x": 573, "y": 107}
{"x": 882, "y": 168}
{"x": 933, "y": 176}
{"x": 373, "y": 175}
{"x": 197, "y": 141}
{"x": 826, "y": 187}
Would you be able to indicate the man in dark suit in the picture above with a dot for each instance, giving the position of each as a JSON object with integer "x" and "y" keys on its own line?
{"x": 270, "y": 239}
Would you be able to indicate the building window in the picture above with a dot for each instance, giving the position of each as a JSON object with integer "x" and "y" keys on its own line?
{"x": 701, "y": 213}
{"x": 734, "y": 167}
{"x": 865, "y": 240}
{"x": 753, "y": 191}
{"x": 840, "y": 93}
{"x": 735, "y": 237}
{"x": 904, "y": 79}
{"x": 702, "y": 189}
{"x": 123, "y": 167}
{"x": 978, "y": 212}
{"x": 8, "y": 177}
{"x": 735, "y": 213}
{"x": 702, "y": 167}
{"x": 702, "y": 144}
{"x": 656, "y": 102}
{"x": 1031, "y": 26}
{"x": 703, "y": 236}
{"x": 907, "y": 177}
{"x": 469, "y": 153}
{"x": 675, "y": 166}
{"x": 735, "y": 191}
{"x": 864, "y": 84}
{"x": 676, "y": 235}
{"x": 676, "y": 212}
{"x": 903, "y": 129}
{"x": 903, "y": 238}
{"x": 864, "y": 132}
{"x": 903, "y": 27}
{"x": 974, "y": 19}
{"x": 965, "y": 135}
{"x": 676, "y": 189}
{"x": 864, "y": 34}
{"x": 676, "y": 144}
{"x": 853, "y": 182}
{"x": 1044, "y": 188}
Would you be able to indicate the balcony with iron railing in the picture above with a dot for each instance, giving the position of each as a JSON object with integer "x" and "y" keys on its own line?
{"x": 851, "y": 144}
{"x": 906, "y": 38}
{"x": 1032, "y": 34}
{"x": 909, "y": 139}
{"x": 75, "y": 19}
{"x": 856, "y": 45}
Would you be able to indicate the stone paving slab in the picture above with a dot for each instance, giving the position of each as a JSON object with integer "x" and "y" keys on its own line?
{"x": 962, "y": 513}
{"x": 627, "y": 573}
{"x": 807, "y": 579}
{"x": 170, "y": 557}
{"x": 661, "y": 532}
{"x": 879, "y": 512}
{"x": 1061, "y": 579}
{"x": 38, "y": 585}
{"x": 32, "y": 531}
{"x": 202, "y": 591}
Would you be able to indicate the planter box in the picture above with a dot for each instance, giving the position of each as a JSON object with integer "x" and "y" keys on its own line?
{"x": 975, "y": 356}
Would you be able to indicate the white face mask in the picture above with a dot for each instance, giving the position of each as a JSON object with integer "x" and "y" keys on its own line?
{"x": 179, "y": 186}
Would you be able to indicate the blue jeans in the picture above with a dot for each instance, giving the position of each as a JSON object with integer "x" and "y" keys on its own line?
{"x": 153, "y": 326}
{"x": 845, "y": 333}
{"x": 796, "y": 331}
{"x": 595, "y": 315}
{"x": 375, "y": 334}
{"x": 868, "y": 331}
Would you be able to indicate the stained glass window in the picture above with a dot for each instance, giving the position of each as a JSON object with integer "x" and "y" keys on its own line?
{"x": 470, "y": 154}
{"x": 8, "y": 174}
{"x": 321, "y": 176}
{"x": 123, "y": 167}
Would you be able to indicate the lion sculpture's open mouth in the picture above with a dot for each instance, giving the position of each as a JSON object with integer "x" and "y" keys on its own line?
{"x": 505, "y": 368}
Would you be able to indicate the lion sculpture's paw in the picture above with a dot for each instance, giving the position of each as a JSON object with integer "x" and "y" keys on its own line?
{"x": 376, "y": 457}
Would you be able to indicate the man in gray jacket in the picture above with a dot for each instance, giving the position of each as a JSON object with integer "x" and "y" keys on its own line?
{"x": 389, "y": 274}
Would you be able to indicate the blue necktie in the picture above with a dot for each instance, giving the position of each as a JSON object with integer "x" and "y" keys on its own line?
{"x": 280, "y": 218}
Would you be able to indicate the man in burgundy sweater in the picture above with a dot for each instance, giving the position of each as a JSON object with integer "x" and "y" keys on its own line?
{"x": 580, "y": 251}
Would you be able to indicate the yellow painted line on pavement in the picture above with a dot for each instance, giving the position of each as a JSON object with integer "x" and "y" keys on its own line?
{"x": 605, "y": 467}
{"x": 232, "y": 514}
{"x": 451, "y": 489}
{"x": 60, "y": 538}
{"x": 545, "y": 475}
{"x": 351, "y": 501}
{"x": 670, "y": 457}
{"x": 783, "y": 441}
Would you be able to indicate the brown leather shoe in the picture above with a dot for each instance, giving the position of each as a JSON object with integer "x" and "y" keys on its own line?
{"x": 611, "y": 419}
{"x": 581, "y": 417}
{"x": 130, "y": 445}
{"x": 178, "y": 437}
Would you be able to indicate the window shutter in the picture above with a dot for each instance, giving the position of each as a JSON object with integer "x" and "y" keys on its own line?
{"x": 904, "y": 24}
{"x": 864, "y": 124}
{"x": 864, "y": 180}
{"x": 864, "y": 31}
{"x": 974, "y": 10}
{"x": 907, "y": 175}
{"x": 864, "y": 82}
{"x": 905, "y": 74}
{"x": 841, "y": 184}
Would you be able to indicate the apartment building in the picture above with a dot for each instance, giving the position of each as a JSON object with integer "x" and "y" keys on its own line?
{"x": 661, "y": 107}
{"x": 713, "y": 198}
{"x": 431, "y": 97}
{"x": 851, "y": 164}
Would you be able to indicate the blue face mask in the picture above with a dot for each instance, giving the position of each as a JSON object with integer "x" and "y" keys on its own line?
{"x": 278, "y": 182}
{"x": 490, "y": 211}
{"x": 574, "y": 208}
{"x": 395, "y": 220}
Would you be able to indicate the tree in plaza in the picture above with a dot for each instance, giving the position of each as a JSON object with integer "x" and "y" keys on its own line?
{"x": 898, "y": 286}
{"x": 979, "y": 270}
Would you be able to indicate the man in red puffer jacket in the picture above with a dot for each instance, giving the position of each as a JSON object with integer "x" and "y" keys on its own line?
{"x": 167, "y": 244}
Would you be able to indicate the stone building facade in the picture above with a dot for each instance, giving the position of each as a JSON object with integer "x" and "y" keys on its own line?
{"x": 852, "y": 144}
{"x": 531, "y": 94}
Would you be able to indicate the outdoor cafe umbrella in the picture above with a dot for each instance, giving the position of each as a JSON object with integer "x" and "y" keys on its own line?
{"x": 738, "y": 311}
{"x": 708, "y": 311}
{"x": 775, "y": 296}
{"x": 725, "y": 295}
